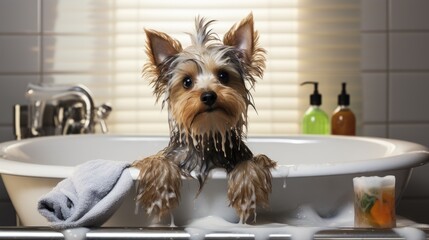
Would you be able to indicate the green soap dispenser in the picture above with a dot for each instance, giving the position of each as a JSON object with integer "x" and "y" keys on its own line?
{"x": 315, "y": 120}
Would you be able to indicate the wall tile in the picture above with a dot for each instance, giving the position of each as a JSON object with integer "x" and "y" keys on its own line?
{"x": 19, "y": 16}
{"x": 414, "y": 132}
{"x": 374, "y": 51}
{"x": 64, "y": 16}
{"x": 409, "y": 15}
{"x": 12, "y": 91}
{"x": 6, "y": 134}
{"x": 100, "y": 92}
{"x": 76, "y": 54}
{"x": 373, "y": 15}
{"x": 374, "y": 94}
{"x": 409, "y": 51}
{"x": 7, "y": 216}
{"x": 402, "y": 107}
{"x": 19, "y": 54}
{"x": 375, "y": 130}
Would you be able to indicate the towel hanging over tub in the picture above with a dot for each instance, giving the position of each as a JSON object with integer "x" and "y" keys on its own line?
{"x": 89, "y": 197}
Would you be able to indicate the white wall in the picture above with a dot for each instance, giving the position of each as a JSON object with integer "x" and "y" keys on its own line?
{"x": 395, "y": 75}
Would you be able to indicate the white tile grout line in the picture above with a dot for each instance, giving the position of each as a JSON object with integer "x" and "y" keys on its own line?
{"x": 387, "y": 67}
{"x": 41, "y": 55}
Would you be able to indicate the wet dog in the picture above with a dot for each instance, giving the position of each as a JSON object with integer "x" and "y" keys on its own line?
{"x": 206, "y": 88}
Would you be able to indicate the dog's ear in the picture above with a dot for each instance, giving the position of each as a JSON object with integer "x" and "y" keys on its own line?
{"x": 160, "y": 46}
{"x": 242, "y": 36}
{"x": 245, "y": 38}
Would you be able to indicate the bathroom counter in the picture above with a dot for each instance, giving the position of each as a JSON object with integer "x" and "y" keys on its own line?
{"x": 36, "y": 233}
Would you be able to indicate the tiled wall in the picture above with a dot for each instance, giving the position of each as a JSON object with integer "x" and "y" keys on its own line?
{"x": 395, "y": 75}
{"x": 19, "y": 65}
{"x": 395, "y": 79}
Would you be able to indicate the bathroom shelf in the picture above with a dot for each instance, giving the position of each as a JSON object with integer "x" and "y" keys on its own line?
{"x": 35, "y": 233}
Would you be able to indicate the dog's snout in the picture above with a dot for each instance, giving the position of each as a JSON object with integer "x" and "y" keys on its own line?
{"x": 208, "y": 98}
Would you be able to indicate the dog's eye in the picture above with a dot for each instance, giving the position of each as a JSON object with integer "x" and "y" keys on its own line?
{"x": 223, "y": 76}
{"x": 187, "y": 82}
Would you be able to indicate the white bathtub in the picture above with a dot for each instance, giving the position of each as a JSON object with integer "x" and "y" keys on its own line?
{"x": 312, "y": 170}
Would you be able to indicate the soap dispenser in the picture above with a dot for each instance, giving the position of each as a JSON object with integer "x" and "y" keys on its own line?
{"x": 343, "y": 121}
{"x": 315, "y": 120}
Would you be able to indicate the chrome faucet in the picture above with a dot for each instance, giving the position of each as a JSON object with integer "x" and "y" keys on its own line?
{"x": 61, "y": 110}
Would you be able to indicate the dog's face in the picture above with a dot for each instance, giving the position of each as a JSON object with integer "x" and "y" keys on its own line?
{"x": 206, "y": 85}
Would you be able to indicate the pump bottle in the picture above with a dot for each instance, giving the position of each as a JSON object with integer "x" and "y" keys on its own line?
{"x": 315, "y": 120}
{"x": 343, "y": 121}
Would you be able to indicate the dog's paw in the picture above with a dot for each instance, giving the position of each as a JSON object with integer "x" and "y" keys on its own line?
{"x": 264, "y": 161}
{"x": 158, "y": 186}
{"x": 249, "y": 185}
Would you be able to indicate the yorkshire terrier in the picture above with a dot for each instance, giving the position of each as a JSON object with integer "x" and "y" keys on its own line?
{"x": 206, "y": 87}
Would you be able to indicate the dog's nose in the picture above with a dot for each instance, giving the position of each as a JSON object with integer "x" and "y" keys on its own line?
{"x": 208, "y": 98}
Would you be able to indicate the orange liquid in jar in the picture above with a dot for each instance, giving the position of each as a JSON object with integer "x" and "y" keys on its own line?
{"x": 375, "y": 208}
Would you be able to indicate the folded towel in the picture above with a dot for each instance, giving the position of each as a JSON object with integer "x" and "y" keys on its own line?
{"x": 89, "y": 197}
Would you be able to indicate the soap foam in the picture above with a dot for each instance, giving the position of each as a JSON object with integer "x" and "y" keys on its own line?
{"x": 411, "y": 233}
{"x": 203, "y": 227}
{"x": 374, "y": 182}
{"x": 299, "y": 225}
{"x": 75, "y": 233}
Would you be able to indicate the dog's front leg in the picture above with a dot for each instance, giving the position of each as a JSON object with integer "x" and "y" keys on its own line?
{"x": 159, "y": 182}
{"x": 249, "y": 185}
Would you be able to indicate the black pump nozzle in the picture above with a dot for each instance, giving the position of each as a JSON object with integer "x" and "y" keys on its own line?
{"x": 343, "y": 98}
{"x": 316, "y": 97}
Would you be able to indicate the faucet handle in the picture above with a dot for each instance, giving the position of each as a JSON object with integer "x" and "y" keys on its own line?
{"x": 103, "y": 111}
{"x": 102, "y": 114}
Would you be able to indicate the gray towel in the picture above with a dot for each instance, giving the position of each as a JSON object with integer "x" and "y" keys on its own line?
{"x": 89, "y": 197}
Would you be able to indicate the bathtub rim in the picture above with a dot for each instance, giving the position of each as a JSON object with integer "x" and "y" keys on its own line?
{"x": 402, "y": 155}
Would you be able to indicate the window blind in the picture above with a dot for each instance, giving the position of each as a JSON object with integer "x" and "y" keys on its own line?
{"x": 305, "y": 40}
